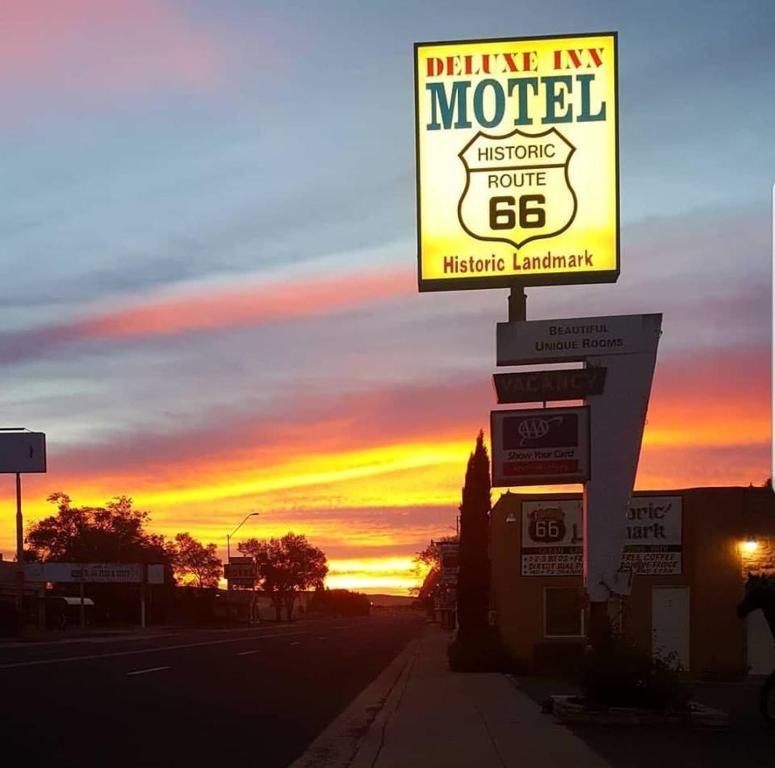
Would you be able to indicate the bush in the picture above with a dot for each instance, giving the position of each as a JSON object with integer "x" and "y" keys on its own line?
{"x": 482, "y": 652}
{"x": 619, "y": 674}
{"x": 340, "y": 602}
{"x": 9, "y": 619}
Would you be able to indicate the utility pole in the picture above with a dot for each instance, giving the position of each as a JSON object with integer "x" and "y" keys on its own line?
{"x": 229, "y": 535}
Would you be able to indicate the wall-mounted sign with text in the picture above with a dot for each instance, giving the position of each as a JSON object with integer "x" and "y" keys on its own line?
{"x": 517, "y": 162}
{"x": 553, "y": 537}
{"x": 545, "y": 446}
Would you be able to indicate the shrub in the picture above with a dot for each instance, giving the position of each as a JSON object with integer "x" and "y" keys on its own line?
{"x": 619, "y": 674}
{"x": 483, "y": 651}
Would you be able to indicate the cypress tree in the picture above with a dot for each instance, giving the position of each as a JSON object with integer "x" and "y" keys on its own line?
{"x": 474, "y": 576}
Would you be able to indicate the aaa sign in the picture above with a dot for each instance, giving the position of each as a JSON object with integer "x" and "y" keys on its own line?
{"x": 517, "y": 167}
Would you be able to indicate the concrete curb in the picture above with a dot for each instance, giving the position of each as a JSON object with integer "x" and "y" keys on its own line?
{"x": 354, "y": 738}
{"x": 371, "y": 744}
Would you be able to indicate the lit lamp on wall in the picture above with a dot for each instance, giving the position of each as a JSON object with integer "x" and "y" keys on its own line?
{"x": 749, "y": 545}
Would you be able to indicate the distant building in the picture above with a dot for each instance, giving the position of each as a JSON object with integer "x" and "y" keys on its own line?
{"x": 689, "y": 551}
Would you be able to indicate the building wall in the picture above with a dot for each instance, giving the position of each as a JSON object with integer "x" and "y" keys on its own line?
{"x": 716, "y": 522}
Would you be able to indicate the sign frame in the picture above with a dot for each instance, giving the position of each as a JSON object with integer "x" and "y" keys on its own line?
{"x": 426, "y": 285}
{"x": 584, "y": 448}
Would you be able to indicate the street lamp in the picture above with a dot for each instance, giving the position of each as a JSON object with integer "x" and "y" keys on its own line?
{"x": 229, "y": 535}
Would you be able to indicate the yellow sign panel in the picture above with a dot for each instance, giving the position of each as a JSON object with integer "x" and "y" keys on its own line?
{"x": 517, "y": 162}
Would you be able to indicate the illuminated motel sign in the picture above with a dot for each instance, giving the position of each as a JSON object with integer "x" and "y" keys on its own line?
{"x": 517, "y": 166}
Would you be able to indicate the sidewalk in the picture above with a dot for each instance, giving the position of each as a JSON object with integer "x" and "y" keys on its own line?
{"x": 423, "y": 715}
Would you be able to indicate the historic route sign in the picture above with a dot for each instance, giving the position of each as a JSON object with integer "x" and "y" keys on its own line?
{"x": 517, "y": 162}
{"x": 545, "y": 446}
{"x": 553, "y": 537}
{"x": 542, "y": 386}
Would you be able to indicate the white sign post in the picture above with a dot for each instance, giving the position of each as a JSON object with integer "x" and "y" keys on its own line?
{"x": 627, "y": 347}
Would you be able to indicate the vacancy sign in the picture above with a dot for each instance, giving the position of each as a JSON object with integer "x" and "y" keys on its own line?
{"x": 543, "y": 446}
{"x": 517, "y": 162}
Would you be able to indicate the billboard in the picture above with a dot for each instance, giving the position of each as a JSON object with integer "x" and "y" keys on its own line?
{"x": 22, "y": 451}
{"x": 544, "y": 446}
{"x": 448, "y": 557}
{"x": 240, "y": 571}
{"x": 94, "y": 573}
{"x": 517, "y": 161}
{"x": 553, "y": 537}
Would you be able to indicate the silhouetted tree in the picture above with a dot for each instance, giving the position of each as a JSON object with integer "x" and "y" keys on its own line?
{"x": 114, "y": 533}
{"x": 474, "y": 576}
{"x": 285, "y": 567}
{"x": 194, "y": 561}
{"x": 340, "y": 602}
{"x": 427, "y": 564}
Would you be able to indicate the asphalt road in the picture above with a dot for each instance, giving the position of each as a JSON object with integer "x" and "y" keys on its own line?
{"x": 248, "y": 697}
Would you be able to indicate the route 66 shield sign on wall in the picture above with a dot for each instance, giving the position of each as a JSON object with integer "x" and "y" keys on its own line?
{"x": 517, "y": 162}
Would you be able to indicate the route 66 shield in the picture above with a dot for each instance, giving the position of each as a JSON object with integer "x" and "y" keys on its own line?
{"x": 517, "y": 186}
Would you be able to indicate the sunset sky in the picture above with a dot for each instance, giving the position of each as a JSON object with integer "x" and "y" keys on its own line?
{"x": 208, "y": 243}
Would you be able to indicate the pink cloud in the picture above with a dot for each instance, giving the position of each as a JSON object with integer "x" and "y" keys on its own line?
{"x": 216, "y": 309}
{"x": 705, "y": 426}
{"x": 83, "y": 47}
{"x": 253, "y": 305}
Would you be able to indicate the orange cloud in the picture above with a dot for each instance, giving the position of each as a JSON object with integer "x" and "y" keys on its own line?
{"x": 372, "y": 476}
{"x": 252, "y": 305}
{"x": 214, "y": 309}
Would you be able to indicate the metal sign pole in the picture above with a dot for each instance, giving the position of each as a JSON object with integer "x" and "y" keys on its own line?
{"x": 142, "y": 595}
{"x": 82, "y": 592}
{"x": 517, "y": 304}
{"x": 19, "y": 546}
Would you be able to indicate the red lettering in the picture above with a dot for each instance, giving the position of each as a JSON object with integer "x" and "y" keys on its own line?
{"x": 597, "y": 58}
{"x": 435, "y": 67}
{"x": 574, "y": 57}
{"x": 511, "y": 65}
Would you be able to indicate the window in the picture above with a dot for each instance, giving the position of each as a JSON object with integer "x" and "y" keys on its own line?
{"x": 563, "y": 614}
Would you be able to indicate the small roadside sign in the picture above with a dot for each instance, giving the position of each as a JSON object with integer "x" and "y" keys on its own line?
{"x": 541, "y": 386}
{"x": 544, "y": 446}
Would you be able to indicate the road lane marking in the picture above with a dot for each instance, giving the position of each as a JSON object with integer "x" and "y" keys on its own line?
{"x": 247, "y": 653}
{"x": 145, "y": 671}
{"x": 115, "y": 654}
